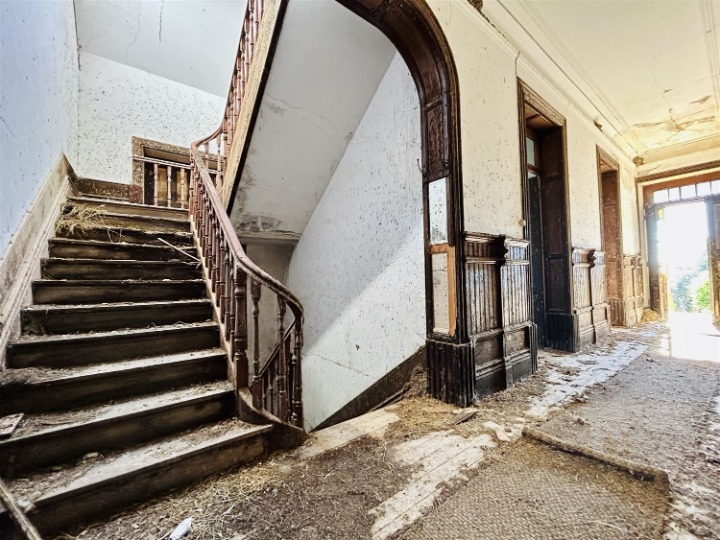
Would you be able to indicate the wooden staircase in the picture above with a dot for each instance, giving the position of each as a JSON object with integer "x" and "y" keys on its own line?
{"x": 119, "y": 372}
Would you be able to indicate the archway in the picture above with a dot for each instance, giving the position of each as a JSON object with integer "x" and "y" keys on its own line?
{"x": 412, "y": 27}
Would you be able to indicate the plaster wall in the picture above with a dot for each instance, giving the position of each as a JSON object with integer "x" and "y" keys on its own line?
{"x": 488, "y": 67}
{"x": 358, "y": 267}
{"x": 118, "y": 102}
{"x": 38, "y": 102}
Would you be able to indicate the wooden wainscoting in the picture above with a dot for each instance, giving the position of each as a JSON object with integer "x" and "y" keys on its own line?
{"x": 498, "y": 292}
{"x": 590, "y": 308}
{"x": 598, "y": 292}
{"x": 627, "y": 310}
{"x": 582, "y": 297}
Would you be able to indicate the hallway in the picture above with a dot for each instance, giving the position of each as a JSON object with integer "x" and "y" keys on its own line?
{"x": 408, "y": 472}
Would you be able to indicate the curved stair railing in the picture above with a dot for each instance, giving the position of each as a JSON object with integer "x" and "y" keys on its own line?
{"x": 275, "y": 382}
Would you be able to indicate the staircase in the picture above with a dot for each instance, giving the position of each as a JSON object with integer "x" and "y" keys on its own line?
{"x": 119, "y": 371}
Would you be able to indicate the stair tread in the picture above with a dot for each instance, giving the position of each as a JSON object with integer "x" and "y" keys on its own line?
{"x": 49, "y": 339}
{"x": 99, "y": 243}
{"x": 39, "y": 425}
{"x": 87, "y": 282}
{"x": 118, "y": 262}
{"x": 41, "y": 375}
{"x": 111, "y": 306}
{"x": 93, "y": 200}
{"x": 88, "y": 474}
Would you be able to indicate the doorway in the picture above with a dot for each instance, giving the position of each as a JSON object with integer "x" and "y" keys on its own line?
{"x": 612, "y": 238}
{"x": 546, "y": 221}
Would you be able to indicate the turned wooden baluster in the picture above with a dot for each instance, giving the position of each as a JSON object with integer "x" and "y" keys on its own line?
{"x": 169, "y": 185}
{"x": 155, "y": 184}
{"x": 241, "y": 334}
{"x": 283, "y": 365}
{"x": 183, "y": 190}
{"x": 256, "y": 383}
{"x": 297, "y": 377}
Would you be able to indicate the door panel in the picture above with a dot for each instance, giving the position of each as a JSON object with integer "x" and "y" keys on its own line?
{"x": 712, "y": 205}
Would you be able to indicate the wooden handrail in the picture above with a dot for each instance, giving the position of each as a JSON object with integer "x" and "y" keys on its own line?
{"x": 277, "y": 386}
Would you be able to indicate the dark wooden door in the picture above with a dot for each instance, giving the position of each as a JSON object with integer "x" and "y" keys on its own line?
{"x": 612, "y": 243}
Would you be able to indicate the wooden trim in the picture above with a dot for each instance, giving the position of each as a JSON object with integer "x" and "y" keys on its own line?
{"x": 533, "y": 99}
{"x": 680, "y": 182}
{"x": 416, "y": 33}
{"x": 676, "y": 172}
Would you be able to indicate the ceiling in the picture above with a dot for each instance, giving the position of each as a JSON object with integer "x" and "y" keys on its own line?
{"x": 652, "y": 68}
{"x": 192, "y": 42}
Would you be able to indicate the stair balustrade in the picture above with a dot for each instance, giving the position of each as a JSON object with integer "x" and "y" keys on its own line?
{"x": 275, "y": 382}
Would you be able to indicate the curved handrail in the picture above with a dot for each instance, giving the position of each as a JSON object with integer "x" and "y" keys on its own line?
{"x": 238, "y": 252}
{"x": 276, "y": 386}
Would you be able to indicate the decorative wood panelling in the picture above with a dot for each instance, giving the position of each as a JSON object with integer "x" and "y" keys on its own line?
{"x": 520, "y": 335}
{"x": 498, "y": 314}
{"x": 590, "y": 310}
{"x": 451, "y": 373}
{"x": 628, "y": 309}
{"x": 598, "y": 293}
{"x": 582, "y": 297}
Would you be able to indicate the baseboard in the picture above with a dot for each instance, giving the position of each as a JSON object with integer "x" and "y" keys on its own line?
{"x": 389, "y": 385}
{"x": 20, "y": 264}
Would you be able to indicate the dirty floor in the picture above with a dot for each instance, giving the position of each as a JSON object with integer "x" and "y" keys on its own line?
{"x": 408, "y": 472}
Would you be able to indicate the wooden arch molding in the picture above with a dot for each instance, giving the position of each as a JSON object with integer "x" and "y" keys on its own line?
{"x": 416, "y": 33}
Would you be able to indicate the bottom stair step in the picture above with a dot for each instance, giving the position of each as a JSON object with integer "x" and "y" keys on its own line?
{"x": 98, "y": 488}
{"x": 44, "y": 440}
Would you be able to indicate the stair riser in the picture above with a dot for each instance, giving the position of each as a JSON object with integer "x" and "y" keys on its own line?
{"x": 129, "y": 209}
{"x": 61, "y": 322}
{"x": 60, "y": 395}
{"x": 111, "y": 348}
{"x": 80, "y": 293}
{"x": 64, "y": 445}
{"x": 126, "y": 235}
{"x": 55, "y": 515}
{"x": 76, "y": 270}
{"x": 143, "y": 223}
{"x": 117, "y": 251}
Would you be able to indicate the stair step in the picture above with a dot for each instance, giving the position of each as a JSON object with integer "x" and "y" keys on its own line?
{"x": 66, "y": 319}
{"x": 92, "y": 490}
{"x": 46, "y": 440}
{"x": 66, "y": 350}
{"x": 128, "y": 208}
{"x": 102, "y": 269}
{"x": 97, "y": 291}
{"x": 66, "y": 248}
{"x": 45, "y": 390}
{"x": 130, "y": 236}
{"x": 103, "y": 218}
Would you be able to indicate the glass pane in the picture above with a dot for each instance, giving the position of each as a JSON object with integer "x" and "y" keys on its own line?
{"x": 687, "y": 192}
{"x": 674, "y": 194}
{"x": 703, "y": 189}
{"x": 530, "y": 149}
{"x": 660, "y": 196}
{"x": 441, "y": 311}
{"x": 437, "y": 202}
{"x": 716, "y": 186}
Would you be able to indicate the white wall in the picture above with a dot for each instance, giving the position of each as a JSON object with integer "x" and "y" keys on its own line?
{"x": 358, "y": 268}
{"x": 118, "y": 102}
{"x": 488, "y": 68}
{"x": 38, "y": 101}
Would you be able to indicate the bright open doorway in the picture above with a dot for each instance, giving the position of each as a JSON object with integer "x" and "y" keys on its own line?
{"x": 682, "y": 233}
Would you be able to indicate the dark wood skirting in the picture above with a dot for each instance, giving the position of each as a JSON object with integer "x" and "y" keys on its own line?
{"x": 450, "y": 372}
{"x": 497, "y": 288}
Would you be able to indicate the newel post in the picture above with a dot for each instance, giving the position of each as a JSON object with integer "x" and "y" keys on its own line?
{"x": 240, "y": 340}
